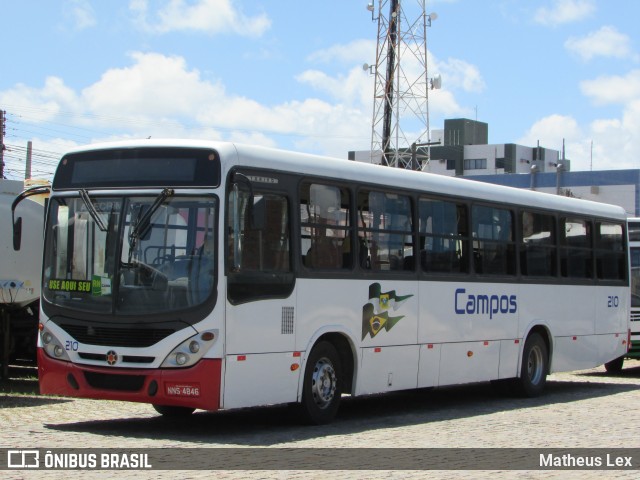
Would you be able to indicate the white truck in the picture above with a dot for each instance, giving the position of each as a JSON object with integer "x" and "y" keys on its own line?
{"x": 20, "y": 267}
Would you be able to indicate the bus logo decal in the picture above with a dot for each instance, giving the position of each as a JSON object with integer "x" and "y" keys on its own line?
{"x": 491, "y": 305}
{"x": 375, "y": 313}
{"x": 112, "y": 357}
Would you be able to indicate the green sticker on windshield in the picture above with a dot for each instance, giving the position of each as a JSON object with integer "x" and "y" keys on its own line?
{"x": 100, "y": 285}
{"x": 61, "y": 285}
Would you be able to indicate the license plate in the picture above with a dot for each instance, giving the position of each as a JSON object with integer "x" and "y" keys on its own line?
{"x": 182, "y": 389}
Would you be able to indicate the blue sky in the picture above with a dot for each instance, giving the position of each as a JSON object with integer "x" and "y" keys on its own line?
{"x": 288, "y": 74}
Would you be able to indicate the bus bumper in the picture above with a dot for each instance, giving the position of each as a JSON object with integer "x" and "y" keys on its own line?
{"x": 194, "y": 387}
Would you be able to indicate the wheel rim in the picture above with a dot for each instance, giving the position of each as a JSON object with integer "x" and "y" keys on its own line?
{"x": 535, "y": 365}
{"x": 323, "y": 383}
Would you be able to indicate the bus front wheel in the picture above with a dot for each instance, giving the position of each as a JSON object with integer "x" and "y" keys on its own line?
{"x": 173, "y": 411}
{"x": 535, "y": 367}
{"x": 322, "y": 387}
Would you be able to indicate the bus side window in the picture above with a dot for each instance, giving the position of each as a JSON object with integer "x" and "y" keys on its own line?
{"x": 610, "y": 251}
{"x": 258, "y": 262}
{"x": 444, "y": 241}
{"x": 576, "y": 255}
{"x": 538, "y": 247}
{"x": 325, "y": 228}
{"x": 385, "y": 231}
{"x": 493, "y": 240}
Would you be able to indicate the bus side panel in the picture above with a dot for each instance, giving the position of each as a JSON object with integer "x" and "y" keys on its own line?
{"x": 566, "y": 310}
{"x": 260, "y": 326}
{"x": 467, "y": 312}
{"x": 469, "y": 362}
{"x": 574, "y": 352}
{"x": 612, "y": 310}
{"x": 509, "y": 358}
{"x": 261, "y": 379}
{"x": 611, "y": 346}
{"x": 429, "y": 366}
{"x": 382, "y": 314}
{"x": 384, "y": 369}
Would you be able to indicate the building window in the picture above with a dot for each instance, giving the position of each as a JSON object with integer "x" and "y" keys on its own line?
{"x": 475, "y": 164}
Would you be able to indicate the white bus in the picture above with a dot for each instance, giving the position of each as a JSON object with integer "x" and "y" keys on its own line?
{"x": 201, "y": 275}
{"x": 615, "y": 366}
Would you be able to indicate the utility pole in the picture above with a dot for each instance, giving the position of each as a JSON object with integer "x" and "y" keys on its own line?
{"x": 3, "y": 131}
{"x": 27, "y": 167}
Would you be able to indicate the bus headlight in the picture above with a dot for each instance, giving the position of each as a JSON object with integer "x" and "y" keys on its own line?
{"x": 190, "y": 351}
{"x": 182, "y": 359}
{"x": 52, "y": 346}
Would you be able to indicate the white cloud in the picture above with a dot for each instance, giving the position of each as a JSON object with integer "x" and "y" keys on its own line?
{"x": 155, "y": 86}
{"x": 613, "y": 89}
{"x": 80, "y": 13}
{"x": 605, "y": 42}
{"x": 457, "y": 73}
{"x": 358, "y": 52}
{"x": 161, "y": 96}
{"x": 615, "y": 140}
{"x": 564, "y": 11}
{"x": 550, "y": 131}
{"x": 207, "y": 16}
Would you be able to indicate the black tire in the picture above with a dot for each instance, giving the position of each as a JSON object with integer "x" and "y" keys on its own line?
{"x": 614, "y": 366}
{"x": 322, "y": 387}
{"x": 172, "y": 411}
{"x": 535, "y": 367}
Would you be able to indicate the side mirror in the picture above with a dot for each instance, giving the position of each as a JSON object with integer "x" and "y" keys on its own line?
{"x": 17, "y": 233}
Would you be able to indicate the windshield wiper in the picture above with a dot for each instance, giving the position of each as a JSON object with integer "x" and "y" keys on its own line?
{"x": 92, "y": 209}
{"x": 144, "y": 221}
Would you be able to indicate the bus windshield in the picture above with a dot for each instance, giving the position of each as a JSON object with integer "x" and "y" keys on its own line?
{"x": 141, "y": 255}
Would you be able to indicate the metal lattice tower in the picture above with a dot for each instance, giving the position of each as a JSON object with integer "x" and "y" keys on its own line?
{"x": 401, "y": 96}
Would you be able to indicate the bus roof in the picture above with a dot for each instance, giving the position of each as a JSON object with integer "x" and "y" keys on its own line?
{"x": 310, "y": 164}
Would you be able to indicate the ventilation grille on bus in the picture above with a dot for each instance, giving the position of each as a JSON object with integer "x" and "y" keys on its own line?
{"x": 117, "y": 337}
{"x": 635, "y": 317}
{"x": 287, "y": 320}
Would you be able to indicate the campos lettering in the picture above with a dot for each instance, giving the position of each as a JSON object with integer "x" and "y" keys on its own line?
{"x": 470, "y": 304}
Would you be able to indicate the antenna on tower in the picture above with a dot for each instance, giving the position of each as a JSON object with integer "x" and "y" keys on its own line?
{"x": 402, "y": 84}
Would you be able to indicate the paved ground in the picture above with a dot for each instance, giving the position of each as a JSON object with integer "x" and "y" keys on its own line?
{"x": 585, "y": 409}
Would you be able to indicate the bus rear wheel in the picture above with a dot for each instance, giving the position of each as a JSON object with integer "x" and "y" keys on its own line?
{"x": 535, "y": 367}
{"x": 614, "y": 366}
{"x": 172, "y": 411}
{"x": 322, "y": 387}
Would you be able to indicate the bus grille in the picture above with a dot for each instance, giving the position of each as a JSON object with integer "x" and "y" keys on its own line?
{"x": 635, "y": 316}
{"x": 101, "y": 357}
{"x": 116, "y": 337}
{"x": 122, "y": 383}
